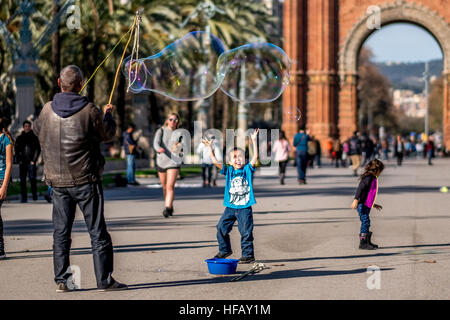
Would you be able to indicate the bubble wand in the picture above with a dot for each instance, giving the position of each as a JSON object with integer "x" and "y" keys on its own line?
{"x": 137, "y": 19}
{"x": 138, "y": 13}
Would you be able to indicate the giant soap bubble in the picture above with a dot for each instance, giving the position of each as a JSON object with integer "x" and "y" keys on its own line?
{"x": 257, "y": 72}
{"x": 195, "y": 66}
{"x": 184, "y": 70}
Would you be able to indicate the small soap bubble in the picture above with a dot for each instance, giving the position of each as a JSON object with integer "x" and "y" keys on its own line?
{"x": 293, "y": 113}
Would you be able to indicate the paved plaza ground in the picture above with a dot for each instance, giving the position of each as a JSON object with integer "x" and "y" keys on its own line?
{"x": 307, "y": 235}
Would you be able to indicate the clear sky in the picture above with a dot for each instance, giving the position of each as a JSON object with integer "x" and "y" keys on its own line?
{"x": 403, "y": 42}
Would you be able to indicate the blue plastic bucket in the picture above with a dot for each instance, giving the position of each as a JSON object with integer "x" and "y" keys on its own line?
{"x": 222, "y": 266}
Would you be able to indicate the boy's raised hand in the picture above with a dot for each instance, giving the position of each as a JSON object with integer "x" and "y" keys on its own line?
{"x": 254, "y": 135}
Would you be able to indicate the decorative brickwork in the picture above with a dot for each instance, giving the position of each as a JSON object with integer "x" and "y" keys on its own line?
{"x": 324, "y": 38}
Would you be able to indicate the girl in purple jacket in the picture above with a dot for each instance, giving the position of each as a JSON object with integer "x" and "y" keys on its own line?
{"x": 365, "y": 196}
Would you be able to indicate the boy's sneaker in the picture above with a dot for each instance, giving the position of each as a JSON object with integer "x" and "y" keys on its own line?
{"x": 2, "y": 255}
{"x": 243, "y": 260}
{"x": 223, "y": 255}
{"x": 114, "y": 287}
{"x": 62, "y": 287}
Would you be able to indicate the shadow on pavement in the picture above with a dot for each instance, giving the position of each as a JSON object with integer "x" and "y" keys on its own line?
{"x": 217, "y": 193}
{"x": 285, "y": 274}
{"x": 150, "y": 247}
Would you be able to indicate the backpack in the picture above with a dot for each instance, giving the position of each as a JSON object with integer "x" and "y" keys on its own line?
{"x": 312, "y": 147}
{"x": 353, "y": 146}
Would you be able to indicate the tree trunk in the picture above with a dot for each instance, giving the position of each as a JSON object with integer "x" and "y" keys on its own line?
{"x": 56, "y": 51}
{"x": 120, "y": 104}
{"x": 111, "y": 7}
{"x": 212, "y": 111}
{"x": 226, "y": 111}
{"x": 92, "y": 64}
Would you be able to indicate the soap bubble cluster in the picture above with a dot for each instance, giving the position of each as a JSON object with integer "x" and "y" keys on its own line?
{"x": 197, "y": 65}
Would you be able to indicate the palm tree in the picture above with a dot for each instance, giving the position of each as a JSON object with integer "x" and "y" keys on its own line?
{"x": 240, "y": 22}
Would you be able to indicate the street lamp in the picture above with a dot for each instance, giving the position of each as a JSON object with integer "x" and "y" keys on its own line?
{"x": 426, "y": 79}
{"x": 206, "y": 10}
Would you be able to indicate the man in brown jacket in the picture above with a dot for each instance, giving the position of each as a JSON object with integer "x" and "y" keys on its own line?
{"x": 70, "y": 130}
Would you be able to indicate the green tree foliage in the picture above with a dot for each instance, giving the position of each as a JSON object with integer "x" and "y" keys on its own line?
{"x": 436, "y": 104}
{"x": 102, "y": 25}
{"x": 374, "y": 95}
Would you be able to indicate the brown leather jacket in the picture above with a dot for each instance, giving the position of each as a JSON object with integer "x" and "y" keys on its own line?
{"x": 71, "y": 146}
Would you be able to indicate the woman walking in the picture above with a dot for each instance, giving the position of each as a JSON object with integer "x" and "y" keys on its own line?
{"x": 6, "y": 160}
{"x": 168, "y": 161}
{"x": 282, "y": 148}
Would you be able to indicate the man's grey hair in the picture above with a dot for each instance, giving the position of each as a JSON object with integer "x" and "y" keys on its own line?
{"x": 70, "y": 77}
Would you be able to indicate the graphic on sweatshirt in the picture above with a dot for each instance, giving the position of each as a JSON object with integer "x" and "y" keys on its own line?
{"x": 239, "y": 191}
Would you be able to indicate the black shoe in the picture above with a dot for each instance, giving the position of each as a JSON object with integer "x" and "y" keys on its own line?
{"x": 166, "y": 213}
{"x": 223, "y": 255}
{"x": 62, "y": 287}
{"x": 134, "y": 183}
{"x": 2, "y": 255}
{"x": 243, "y": 260}
{"x": 364, "y": 243}
{"x": 48, "y": 198}
{"x": 370, "y": 241}
{"x": 116, "y": 286}
{"x": 170, "y": 211}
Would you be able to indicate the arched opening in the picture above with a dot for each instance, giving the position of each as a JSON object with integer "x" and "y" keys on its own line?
{"x": 349, "y": 54}
{"x": 392, "y": 91}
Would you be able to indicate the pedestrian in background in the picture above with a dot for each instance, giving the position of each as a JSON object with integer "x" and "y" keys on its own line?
{"x": 355, "y": 152}
{"x": 312, "y": 151}
{"x": 430, "y": 150}
{"x": 129, "y": 145}
{"x": 282, "y": 148}
{"x": 168, "y": 160}
{"x": 399, "y": 150}
{"x": 301, "y": 140}
{"x": 6, "y": 161}
{"x": 27, "y": 150}
{"x": 206, "y": 160}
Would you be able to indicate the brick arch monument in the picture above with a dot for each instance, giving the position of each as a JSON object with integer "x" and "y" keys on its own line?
{"x": 324, "y": 37}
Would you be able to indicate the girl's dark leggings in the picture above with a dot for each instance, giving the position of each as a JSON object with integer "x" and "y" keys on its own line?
{"x": 282, "y": 166}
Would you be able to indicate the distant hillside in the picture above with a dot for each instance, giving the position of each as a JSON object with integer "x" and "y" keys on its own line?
{"x": 409, "y": 75}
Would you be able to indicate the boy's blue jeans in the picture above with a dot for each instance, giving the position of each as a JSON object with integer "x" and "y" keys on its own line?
{"x": 364, "y": 217}
{"x": 245, "y": 224}
{"x": 131, "y": 168}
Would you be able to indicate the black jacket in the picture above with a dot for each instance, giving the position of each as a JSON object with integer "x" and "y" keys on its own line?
{"x": 70, "y": 131}
{"x": 27, "y": 148}
{"x": 363, "y": 189}
{"x": 354, "y": 146}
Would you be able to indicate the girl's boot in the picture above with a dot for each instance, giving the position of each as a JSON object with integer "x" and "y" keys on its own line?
{"x": 370, "y": 241}
{"x": 282, "y": 178}
{"x": 364, "y": 242}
